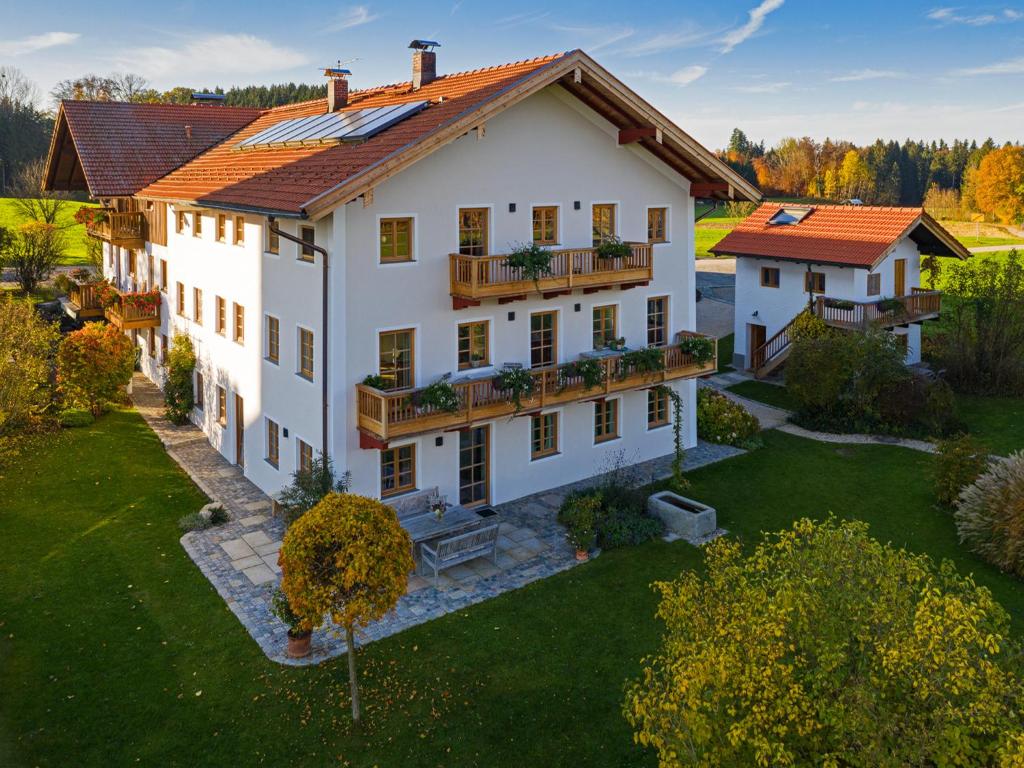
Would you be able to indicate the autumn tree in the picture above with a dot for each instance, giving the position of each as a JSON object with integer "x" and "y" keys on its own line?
{"x": 26, "y": 351}
{"x": 32, "y": 251}
{"x": 179, "y": 394}
{"x": 347, "y": 558}
{"x": 826, "y": 647}
{"x": 999, "y": 184}
{"x": 94, "y": 364}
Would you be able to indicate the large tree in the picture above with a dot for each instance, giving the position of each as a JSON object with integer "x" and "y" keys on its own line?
{"x": 32, "y": 251}
{"x": 30, "y": 200}
{"x": 26, "y": 352}
{"x": 999, "y": 184}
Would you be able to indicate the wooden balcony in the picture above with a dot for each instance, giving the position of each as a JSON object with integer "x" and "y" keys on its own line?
{"x": 387, "y": 415}
{"x": 133, "y": 310}
{"x": 83, "y": 301}
{"x": 474, "y": 278}
{"x": 126, "y": 230}
{"x": 919, "y": 306}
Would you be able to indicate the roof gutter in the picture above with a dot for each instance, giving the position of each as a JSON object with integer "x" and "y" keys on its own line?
{"x": 324, "y": 333}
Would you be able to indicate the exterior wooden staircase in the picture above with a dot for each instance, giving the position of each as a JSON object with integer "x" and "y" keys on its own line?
{"x": 773, "y": 352}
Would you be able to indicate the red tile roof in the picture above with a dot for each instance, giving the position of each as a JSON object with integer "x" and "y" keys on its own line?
{"x": 123, "y": 147}
{"x": 851, "y": 235}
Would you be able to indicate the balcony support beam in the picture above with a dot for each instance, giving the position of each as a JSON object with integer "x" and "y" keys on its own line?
{"x": 460, "y": 303}
{"x": 369, "y": 442}
{"x": 510, "y": 299}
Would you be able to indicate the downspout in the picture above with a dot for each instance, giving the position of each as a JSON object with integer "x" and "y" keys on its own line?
{"x": 324, "y": 289}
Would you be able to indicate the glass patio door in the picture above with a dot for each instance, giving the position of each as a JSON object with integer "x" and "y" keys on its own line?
{"x": 474, "y": 480}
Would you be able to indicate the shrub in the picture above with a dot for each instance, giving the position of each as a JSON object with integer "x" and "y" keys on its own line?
{"x": 613, "y": 248}
{"x": 179, "y": 393}
{"x": 307, "y": 489}
{"x": 616, "y": 513}
{"x": 960, "y": 460}
{"x": 626, "y": 526}
{"x": 826, "y": 647}
{"x": 26, "y": 351}
{"x": 193, "y": 521}
{"x": 807, "y": 325}
{"x": 579, "y": 513}
{"x": 990, "y": 514}
{"x": 281, "y": 608}
{"x": 218, "y": 515}
{"x": 720, "y": 420}
{"x": 75, "y": 417}
{"x": 532, "y": 261}
{"x": 33, "y": 252}
{"x": 94, "y": 365}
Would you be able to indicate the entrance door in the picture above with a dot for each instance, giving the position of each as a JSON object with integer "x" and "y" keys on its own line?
{"x": 758, "y": 335}
{"x": 900, "y": 276}
{"x": 239, "y": 432}
{"x": 474, "y": 480}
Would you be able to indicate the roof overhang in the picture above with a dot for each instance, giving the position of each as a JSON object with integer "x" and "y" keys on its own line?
{"x": 64, "y": 171}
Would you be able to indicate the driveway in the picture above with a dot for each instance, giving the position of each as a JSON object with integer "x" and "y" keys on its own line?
{"x": 716, "y": 280}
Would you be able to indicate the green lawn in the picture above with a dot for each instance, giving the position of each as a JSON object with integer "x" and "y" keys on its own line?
{"x": 977, "y": 242}
{"x": 762, "y": 392}
{"x": 114, "y": 649}
{"x": 9, "y": 217}
{"x": 707, "y": 237}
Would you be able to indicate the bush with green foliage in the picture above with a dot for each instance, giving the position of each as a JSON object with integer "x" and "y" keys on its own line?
{"x": 33, "y": 251}
{"x": 646, "y": 360}
{"x": 376, "y": 381}
{"x": 723, "y": 421}
{"x": 517, "y": 384}
{"x": 27, "y": 345}
{"x": 179, "y": 392}
{"x": 612, "y": 247}
{"x": 579, "y": 513}
{"x": 990, "y": 514}
{"x": 588, "y": 370}
{"x": 94, "y": 365}
{"x": 75, "y": 417}
{"x": 825, "y": 647}
{"x": 198, "y": 521}
{"x": 619, "y": 509}
{"x": 308, "y": 488}
{"x": 439, "y": 396}
{"x": 530, "y": 260}
{"x": 959, "y": 462}
{"x": 700, "y": 348}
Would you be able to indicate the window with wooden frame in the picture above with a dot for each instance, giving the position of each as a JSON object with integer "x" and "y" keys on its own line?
{"x": 473, "y": 231}
{"x": 657, "y": 320}
{"x": 179, "y": 221}
{"x": 606, "y": 420}
{"x": 874, "y": 284}
{"x": 273, "y": 241}
{"x": 543, "y": 435}
{"x": 273, "y": 443}
{"x": 473, "y": 345}
{"x": 305, "y": 353}
{"x": 197, "y": 224}
{"x": 603, "y": 215}
{"x": 273, "y": 339}
{"x": 163, "y": 275}
{"x": 543, "y": 339}
{"x": 222, "y": 227}
{"x": 133, "y": 264}
{"x": 305, "y": 456}
{"x": 770, "y": 277}
{"x": 814, "y": 282}
{"x": 396, "y": 358}
{"x": 163, "y": 349}
{"x": 238, "y": 233}
{"x": 180, "y": 296}
{"x": 396, "y": 240}
{"x": 150, "y": 272}
{"x": 606, "y": 325}
{"x": 199, "y": 393}
{"x": 545, "y": 224}
{"x": 397, "y": 470}
{"x": 657, "y": 408}
{"x": 222, "y": 406}
{"x": 238, "y": 324}
{"x": 220, "y": 323}
{"x": 307, "y": 235}
{"x": 197, "y": 305}
{"x": 657, "y": 225}
{"x": 151, "y": 342}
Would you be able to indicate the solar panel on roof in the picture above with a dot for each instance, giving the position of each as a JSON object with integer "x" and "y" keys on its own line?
{"x": 351, "y": 125}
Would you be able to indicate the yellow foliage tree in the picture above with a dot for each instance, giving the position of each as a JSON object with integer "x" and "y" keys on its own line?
{"x": 999, "y": 184}
{"x": 825, "y": 647}
{"x": 347, "y": 558}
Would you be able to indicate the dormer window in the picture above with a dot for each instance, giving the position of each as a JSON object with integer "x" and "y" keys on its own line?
{"x": 789, "y": 215}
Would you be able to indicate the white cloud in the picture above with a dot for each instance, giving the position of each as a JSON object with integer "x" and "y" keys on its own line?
{"x": 681, "y": 77}
{"x": 519, "y": 19}
{"x": 754, "y": 23}
{"x": 868, "y": 74}
{"x": 763, "y": 88}
{"x": 354, "y": 16}
{"x": 36, "y": 43}
{"x": 599, "y": 37}
{"x": 214, "y": 56}
{"x": 666, "y": 41}
{"x": 1008, "y": 67}
{"x": 953, "y": 16}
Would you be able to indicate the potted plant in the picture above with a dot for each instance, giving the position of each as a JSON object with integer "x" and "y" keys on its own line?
{"x": 579, "y": 515}
{"x": 376, "y": 381}
{"x": 648, "y": 360}
{"x": 299, "y": 634}
{"x": 531, "y": 261}
{"x": 439, "y": 396}
{"x": 613, "y": 248}
{"x": 589, "y": 371}
{"x": 618, "y": 344}
{"x": 700, "y": 348}
{"x": 890, "y": 306}
{"x": 516, "y": 382}
{"x": 842, "y": 304}
{"x": 107, "y": 294}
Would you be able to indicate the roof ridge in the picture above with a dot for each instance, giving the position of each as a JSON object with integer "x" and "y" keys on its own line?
{"x": 783, "y": 203}
{"x": 161, "y": 104}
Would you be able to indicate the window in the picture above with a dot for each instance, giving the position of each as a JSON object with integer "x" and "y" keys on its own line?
{"x": 150, "y": 273}
{"x": 544, "y": 435}
{"x": 222, "y": 406}
{"x": 132, "y": 266}
{"x": 179, "y": 221}
{"x": 545, "y": 225}
{"x": 273, "y": 241}
{"x": 197, "y": 224}
{"x": 770, "y": 277}
{"x": 151, "y": 342}
{"x": 395, "y": 240}
{"x": 200, "y": 392}
{"x": 603, "y": 222}
{"x": 180, "y": 293}
{"x": 307, "y": 235}
{"x": 221, "y": 321}
{"x": 397, "y": 470}
{"x": 239, "y": 230}
{"x": 163, "y": 348}
{"x": 543, "y": 349}
{"x": 163, "y": 275}
{"x": 657, "y": 317}
{"x": 657, "y": 408}
{"x": 605, "y": 325}
{"x": 273, "y": 339}
{"x": 606, "y": 420}
{"x": 273, "y": 443}
{"x": 657, "y": 225}
{"x": 305, "y": 353}
{"x": 222, "y": 225}
{"x": 473, "y": 351}
{"x": 197, "y": 305}
{"x": 874, "y": 284}
{"x": 305, "y": 456}
{"x": 238, "y": 326}
{"x": 789, "y": 216}
{"x": 396, "y": 359}
{"x": 473, "y": 231}
{"x": 814, "y": 282}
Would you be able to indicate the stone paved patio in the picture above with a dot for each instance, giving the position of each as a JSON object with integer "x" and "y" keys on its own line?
{"x": 240, "y": 557}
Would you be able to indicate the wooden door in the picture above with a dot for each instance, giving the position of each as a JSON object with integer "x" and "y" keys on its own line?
{"x": 474, "y": 466}
{"x": 900, "y": 277}
{"x": 239, "y": 431}
{"x": 758, "y": 335}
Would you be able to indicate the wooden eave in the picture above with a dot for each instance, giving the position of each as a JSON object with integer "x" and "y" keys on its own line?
{"x": 64, "y": 172}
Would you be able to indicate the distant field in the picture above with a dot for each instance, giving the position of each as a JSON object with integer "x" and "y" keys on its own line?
{"x": 976, "y": 242}
{"x": 9, "y": 217}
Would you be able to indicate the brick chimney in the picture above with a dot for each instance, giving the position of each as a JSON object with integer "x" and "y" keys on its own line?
{"x": 424, "y": 62}
{"x": 337, "y": 88}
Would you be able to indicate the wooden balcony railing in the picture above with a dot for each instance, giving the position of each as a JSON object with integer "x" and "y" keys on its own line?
{"x": 85, "y": 300}
{"x": 124, "y": 229}
{"x": 134, "y": 310}
{"x": 474, "y": 278}
{"x": 920, "y": 305}
{"x": 386, "y": 415}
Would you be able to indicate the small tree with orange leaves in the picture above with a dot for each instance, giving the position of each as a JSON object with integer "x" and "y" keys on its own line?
{"x": 999, "y": 184}
{"x": 93, "y": 365}
{"x": 347, "y": 558}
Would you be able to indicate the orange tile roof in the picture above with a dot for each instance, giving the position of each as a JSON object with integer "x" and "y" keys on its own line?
{"x": 285, "y": 179}
{"x": 851, "y": 235}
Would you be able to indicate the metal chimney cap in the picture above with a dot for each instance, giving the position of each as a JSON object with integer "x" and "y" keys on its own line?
{"x": 423, "y": 45}
{"x": 337, "y": 72}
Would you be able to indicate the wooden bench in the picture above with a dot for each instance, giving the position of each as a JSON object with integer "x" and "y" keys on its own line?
{"x": 460, "y": 549}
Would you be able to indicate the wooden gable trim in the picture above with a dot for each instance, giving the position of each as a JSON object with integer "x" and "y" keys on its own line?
{"x": 632, "y": 135}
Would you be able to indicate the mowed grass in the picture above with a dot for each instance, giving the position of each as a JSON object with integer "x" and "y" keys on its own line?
{"x": 115, "y": 650}
{"x": 10, "y": 217}
{"x": 762, "y": 392}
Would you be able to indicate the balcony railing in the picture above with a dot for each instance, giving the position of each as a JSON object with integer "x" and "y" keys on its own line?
{"x": 386, "y": 415}
{"x": 124, "y": 229}
{"x": 474, "y": 278}
{"x": 132, "y": 310}
{"x": 85, "y": 301}
{"x": 920, "y": 305}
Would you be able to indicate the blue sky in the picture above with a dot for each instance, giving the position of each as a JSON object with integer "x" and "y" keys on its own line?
{"x": 853, "y": 70}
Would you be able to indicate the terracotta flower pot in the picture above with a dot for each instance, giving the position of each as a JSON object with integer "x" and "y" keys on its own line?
{"x": 298, "y": 644}
{"x": 582, "y": 555}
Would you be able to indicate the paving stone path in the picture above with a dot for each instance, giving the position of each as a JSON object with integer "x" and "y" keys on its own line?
{"x": 240, "y": 557}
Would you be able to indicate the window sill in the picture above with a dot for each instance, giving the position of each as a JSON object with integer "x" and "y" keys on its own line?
{"x": 603, "y": 440}
{"x": 656, "y": 427}
{"x": 304, "y": 377}
{"x": 274, "y": 464}
{"x": 271, "y": 360}
{"x": 398, "y": 494}
{"x": 545, "y": 457}
{"x": 397, "y": 263}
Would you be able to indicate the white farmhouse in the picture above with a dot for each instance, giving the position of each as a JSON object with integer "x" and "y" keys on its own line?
{"x": 333, "y": 259}
{"x": 852, "y": 265}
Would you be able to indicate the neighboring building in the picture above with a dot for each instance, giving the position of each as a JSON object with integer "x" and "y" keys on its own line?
{"x": 307, "y": 247}
{"x": 852, "y": 265}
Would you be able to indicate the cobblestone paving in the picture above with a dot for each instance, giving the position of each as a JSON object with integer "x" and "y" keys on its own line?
{"x": 240, "y": 557}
